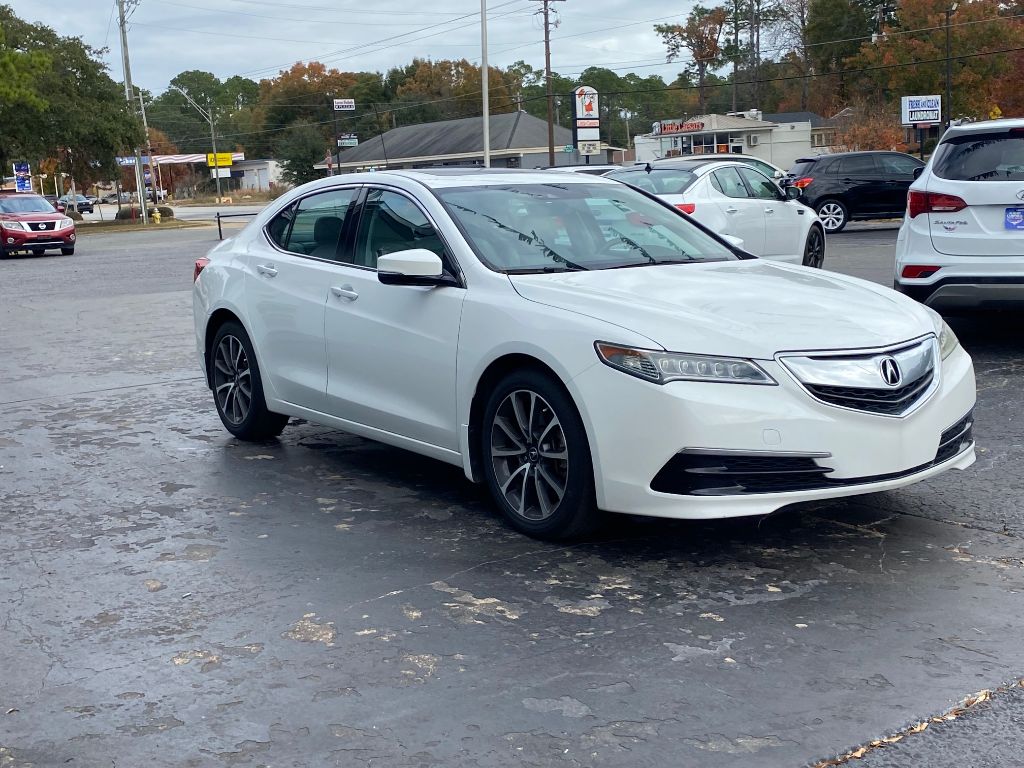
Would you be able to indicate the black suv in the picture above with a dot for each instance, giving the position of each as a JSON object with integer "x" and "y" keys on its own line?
{"x": 855, "y": 185}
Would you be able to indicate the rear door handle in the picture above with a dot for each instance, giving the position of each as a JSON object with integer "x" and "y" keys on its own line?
{"x": 769, "y": 210}
{"x": 732, "y": 210}
{"x": 266, "y": 269}
{"x": 345, "y": 292}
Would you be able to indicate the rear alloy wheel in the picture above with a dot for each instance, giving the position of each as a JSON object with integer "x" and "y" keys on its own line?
{"x": 833, "y": 215}
{"x": 814, "y": 249}
{"x": 237, "y": 388}
{"x": 536, "y": 458}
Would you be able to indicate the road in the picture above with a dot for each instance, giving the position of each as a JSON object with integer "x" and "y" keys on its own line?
{"x": 173, "y": 597}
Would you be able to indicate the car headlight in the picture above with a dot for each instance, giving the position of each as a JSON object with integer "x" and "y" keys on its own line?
{"x": 65, "y": 223}
{"x": 947, "y": 339}
{"x": 19, "y": 225}
{"x": 663, "y": 367}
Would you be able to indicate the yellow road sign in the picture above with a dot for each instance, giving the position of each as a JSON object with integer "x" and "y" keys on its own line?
{"x": 221, "y": 159}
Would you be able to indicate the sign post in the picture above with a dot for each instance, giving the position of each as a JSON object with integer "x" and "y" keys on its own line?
{"x": 586, "y": 121}
{"x": 22, "y": 177}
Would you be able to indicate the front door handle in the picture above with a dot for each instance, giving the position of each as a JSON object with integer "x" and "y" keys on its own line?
{"x": 267, "y": 270}
{"x": 732, "y": 210}
{"x": 769, "y": 211}
{"x": 345, "y": 292}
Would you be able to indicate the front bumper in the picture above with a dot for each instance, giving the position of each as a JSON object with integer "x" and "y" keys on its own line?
{"x": 636, "y": 429}
{"x": 19, "y": 240}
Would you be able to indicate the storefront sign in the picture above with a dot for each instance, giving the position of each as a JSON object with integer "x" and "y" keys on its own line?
{"x": 677, "y": 126}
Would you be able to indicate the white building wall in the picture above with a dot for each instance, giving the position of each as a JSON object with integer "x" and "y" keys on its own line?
{"x": 259, "y": 174}
{"x": 782, "y": 145}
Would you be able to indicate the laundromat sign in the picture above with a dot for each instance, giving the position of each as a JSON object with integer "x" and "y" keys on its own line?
{"x": 677, "y": 126}
{"x": 921, "y": 110}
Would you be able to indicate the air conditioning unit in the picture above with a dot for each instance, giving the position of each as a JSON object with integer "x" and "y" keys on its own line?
{"x": 752, "y": 140}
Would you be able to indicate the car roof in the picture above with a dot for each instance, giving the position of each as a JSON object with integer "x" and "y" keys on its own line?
{"x": 984, "y": 126}
{"x": 460, "y": 177}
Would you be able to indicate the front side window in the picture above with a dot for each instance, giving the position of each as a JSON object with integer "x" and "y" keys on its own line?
{"x": 984, "y": 157}
{"x": 312, "y": 226}
{"x": 764, "y": 188}
{"x": 900, "y": 165}
{"x": 555, "y": 227}
{"x": 391, "y": 223}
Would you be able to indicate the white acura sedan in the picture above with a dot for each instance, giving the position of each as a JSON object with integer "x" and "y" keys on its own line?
{"x": 577, "y": 345}
{"x": 734, "y": 198}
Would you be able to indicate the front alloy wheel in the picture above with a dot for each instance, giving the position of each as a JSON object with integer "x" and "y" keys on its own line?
{"x": 814, "y": 249}
{"x": 528, "y": 455}
{"x": 536, "y": 458}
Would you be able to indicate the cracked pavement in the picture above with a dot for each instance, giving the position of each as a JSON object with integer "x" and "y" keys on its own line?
{"x": 173, "y": 597}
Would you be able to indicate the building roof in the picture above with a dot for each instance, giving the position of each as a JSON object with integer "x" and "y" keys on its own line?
{"x": 509, "y": 131}
{"x": 816, "y": 120}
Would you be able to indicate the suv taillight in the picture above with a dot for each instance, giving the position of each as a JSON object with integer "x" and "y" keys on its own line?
{"x": 932, "y": 202}
{"x": 802, "y": 182}
{"x": 200, "y": 266}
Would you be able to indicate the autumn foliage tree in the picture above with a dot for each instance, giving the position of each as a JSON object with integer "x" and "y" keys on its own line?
{"x": 701, "y": 36}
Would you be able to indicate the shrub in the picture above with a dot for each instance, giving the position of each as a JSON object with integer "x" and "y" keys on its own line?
{"x": 128, "y": 212}
{"x": 73, "y": 215}
{"x": 165, "y": 211}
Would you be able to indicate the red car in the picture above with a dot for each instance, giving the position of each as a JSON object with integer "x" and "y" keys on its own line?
{"x": 29, "y": 223}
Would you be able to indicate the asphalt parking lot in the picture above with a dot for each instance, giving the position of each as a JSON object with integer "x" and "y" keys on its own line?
{"x": 173, "y": 597}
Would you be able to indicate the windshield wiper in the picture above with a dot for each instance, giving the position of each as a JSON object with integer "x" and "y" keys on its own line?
{"x": 545, "y": 270}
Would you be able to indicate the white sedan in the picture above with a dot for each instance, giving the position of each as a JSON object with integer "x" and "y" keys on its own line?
{"x": 736, "y": 199}
{"x": 577, "y": 346}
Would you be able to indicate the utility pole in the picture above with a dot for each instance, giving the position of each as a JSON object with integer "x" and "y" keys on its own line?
{"x": 336, "y": 149}
{"x": 154, "y": 168}
{"x": 129, "y": 97}
{"x": 949, "y": 68}
{"x": 547, "y": 77}
{"x": 484, "y": 84}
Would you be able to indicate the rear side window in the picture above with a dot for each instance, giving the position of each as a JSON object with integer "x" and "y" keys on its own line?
{"x": 313, "y": 226}
{"x": 660, "y": 181}
{"x": 803, "y": 168}
{"x": 984, "y": 157}
{"x": 858, "y": 165}
{"x": 728, "y": 182}
{"x": 900, "y": 165}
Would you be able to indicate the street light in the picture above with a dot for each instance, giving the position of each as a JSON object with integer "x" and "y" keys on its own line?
{"x": 208, "y": 117}
{"x": 949, "y": 68}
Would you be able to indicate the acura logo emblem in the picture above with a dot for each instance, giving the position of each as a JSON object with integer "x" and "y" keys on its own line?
{"x": 890, "y": 371}
{"x": 1020, "y": 195}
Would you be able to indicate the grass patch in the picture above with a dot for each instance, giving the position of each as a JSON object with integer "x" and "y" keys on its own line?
{"x": 105, "y": 227}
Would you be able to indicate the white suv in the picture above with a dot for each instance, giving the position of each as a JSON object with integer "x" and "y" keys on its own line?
{"x": 961, "y": 245}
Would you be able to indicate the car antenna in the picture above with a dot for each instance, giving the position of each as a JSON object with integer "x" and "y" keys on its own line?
{"x": 647, "y": 168}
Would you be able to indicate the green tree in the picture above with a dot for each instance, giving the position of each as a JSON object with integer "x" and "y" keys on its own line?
{"x": 298, "y": 150}
{"x": 701, "y": 37}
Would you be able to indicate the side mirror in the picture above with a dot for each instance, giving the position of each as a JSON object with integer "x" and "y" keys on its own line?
{"x": 417, "y": 266}
{"x": 918, "y": 172}
{"x": 779, "y": 174}
{"x": 792, "y": 192}
{"x": 733, "y": 240}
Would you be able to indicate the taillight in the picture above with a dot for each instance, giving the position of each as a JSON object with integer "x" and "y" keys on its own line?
{"x": 932, "y": 202}
{"x": 916, "y": 271}
{"x": 802, "y": 182}
{"x": 200, "y": 266}
{"x": 686, "y": 207}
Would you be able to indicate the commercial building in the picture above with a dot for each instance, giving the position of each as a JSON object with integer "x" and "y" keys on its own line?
{"x": 517, "y": 140}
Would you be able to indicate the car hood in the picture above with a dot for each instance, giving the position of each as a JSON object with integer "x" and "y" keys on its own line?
{"x": 749, "y": 308}
{"x": 41, "y": 216}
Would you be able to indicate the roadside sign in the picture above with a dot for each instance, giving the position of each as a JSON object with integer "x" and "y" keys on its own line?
{"x": 220, "y": 160}
{"x": 590, "y": 147}
{"x": 348, "y": 140}
{"x": 224, "y": 173}
{"x": 568, "y": 148}
{"x": 918, "y": 110}
{"x": 344, "y": 105}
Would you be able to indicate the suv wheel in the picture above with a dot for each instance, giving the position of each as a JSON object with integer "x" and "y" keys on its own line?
{"x": 833, "y": 215}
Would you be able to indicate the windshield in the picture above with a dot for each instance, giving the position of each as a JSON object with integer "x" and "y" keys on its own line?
{"x": 657, "y": 181}
{"x": 25, "y": 204}
{"x": 556, "y": 227}
{"x": 981, "y": 157}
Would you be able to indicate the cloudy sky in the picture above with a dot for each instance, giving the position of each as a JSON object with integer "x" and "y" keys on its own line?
{"x": 257, "y": 38}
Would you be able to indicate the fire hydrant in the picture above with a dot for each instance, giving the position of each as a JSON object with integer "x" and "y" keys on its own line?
{"x": 156, "y": 216}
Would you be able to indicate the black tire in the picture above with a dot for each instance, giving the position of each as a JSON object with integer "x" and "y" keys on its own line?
{"x": 38, "y": 251}
{"x": 68, "y": 251}
{"x": 552, "y": 427}
{"x": 814, "y": 248}
{"x": 834, "y": 215}
{"x": 233, "y": 362}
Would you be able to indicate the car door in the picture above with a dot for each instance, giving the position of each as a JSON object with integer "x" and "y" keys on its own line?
{"x": 391, "y": 349}
{"x": 862, "y": 184}
{"x": 783, "y": 219}
{"x": 287, "y": 283}
{"x": 743, "y": 213}
{"x": 898, "y": 170}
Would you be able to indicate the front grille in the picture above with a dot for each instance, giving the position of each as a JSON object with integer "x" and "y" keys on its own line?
{"x": 890, "y": 402}
{"x": 42, "y": 226}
